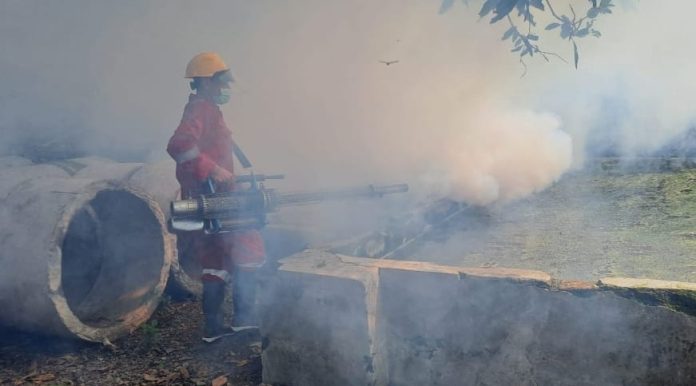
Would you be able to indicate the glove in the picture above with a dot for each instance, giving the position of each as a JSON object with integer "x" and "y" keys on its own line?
{"x": 222, "y": 176}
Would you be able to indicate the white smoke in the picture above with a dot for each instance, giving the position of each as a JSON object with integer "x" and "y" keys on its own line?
{"x": 313, "y": 100}
{"x": 634, "y": 89}
{"x": 504, "y": 155}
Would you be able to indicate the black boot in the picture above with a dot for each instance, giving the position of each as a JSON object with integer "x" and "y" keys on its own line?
{"x": 213, "y": 297}
{"x": 244, "y": 299}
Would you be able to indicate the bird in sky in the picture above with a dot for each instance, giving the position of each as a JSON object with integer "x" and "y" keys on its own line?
{"x": 389, "y": 63}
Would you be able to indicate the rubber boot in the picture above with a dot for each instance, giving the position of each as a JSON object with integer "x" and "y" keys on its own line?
{"x": 213, "y": 297}
{"x": 244, "y": 300}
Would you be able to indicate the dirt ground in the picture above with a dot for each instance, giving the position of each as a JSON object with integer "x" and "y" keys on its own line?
{"x": 165, "y": 351}
{"x": 586, "y": 226}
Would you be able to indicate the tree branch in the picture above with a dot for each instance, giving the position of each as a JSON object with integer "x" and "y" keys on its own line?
{"x": 524, "y": 65}
{"x": 544, "y": 53}
{"x": 553, "y": 12}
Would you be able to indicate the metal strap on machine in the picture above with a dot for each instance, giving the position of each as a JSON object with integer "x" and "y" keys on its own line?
{"x": 221, "y": 273}
{"x": 246, "y": 164}
{"x": 188, "y": 155}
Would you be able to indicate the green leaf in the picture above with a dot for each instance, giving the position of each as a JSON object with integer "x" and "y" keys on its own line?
{"x": 503, "y": 8}
{"x": 509, "y": 33}
{"x": 529, "y": 46}
{"x": 445, "y": 6}
{"x": 487, "y": 7}
{"x": 524, "y": 11}
{"x": 552, "y": 26}
{"x": 566, "y": 30}
{"x": 537, "y": 4}
{"x": 575, "y": 54}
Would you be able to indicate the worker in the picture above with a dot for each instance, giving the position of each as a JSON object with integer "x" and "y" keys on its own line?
{"x": 202, "y": 148}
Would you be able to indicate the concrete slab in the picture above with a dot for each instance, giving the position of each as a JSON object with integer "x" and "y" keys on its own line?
{"x": 338, "y": 320}
{"x": 447, "y": 330}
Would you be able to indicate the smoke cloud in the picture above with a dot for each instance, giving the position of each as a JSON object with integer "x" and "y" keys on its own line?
{"x": 313, "y": 99}
{"x": 506, "y": 155}
{"x": 633, "y": 92}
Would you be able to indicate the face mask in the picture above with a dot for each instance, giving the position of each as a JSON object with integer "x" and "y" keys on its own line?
{"x": 223, "y": 98}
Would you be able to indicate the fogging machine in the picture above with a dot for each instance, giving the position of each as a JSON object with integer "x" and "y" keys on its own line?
{"x": 214, "y": 212}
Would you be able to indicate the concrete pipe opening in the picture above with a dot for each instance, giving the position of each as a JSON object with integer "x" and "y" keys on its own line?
{"x": 110, "y": 263}
{"x": 112, "y": 258}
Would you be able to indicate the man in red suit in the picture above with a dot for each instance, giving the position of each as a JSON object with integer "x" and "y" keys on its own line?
{"x": 202, "y": 148}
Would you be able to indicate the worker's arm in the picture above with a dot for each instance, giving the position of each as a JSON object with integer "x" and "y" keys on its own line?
{"x": 183, "y": 145}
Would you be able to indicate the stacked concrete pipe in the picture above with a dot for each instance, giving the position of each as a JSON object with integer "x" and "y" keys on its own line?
{"x": 80, "y": 257}
{"x": 158, "y": 181}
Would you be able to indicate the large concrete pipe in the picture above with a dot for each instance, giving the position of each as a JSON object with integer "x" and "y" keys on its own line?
{"x": 158, "y": 181}
{"x": 79, "y": 257}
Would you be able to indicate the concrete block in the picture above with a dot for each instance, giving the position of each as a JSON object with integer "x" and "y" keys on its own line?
{"x": 337, "y": 320}
{"x": 443, "y": 330}
{"x": 316, "y": 324}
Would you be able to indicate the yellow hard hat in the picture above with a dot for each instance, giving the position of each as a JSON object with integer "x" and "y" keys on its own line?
{"x": 205, "y": 64}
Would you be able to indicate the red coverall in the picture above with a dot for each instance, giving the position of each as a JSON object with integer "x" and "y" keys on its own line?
{"x": 200, "y": 143}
